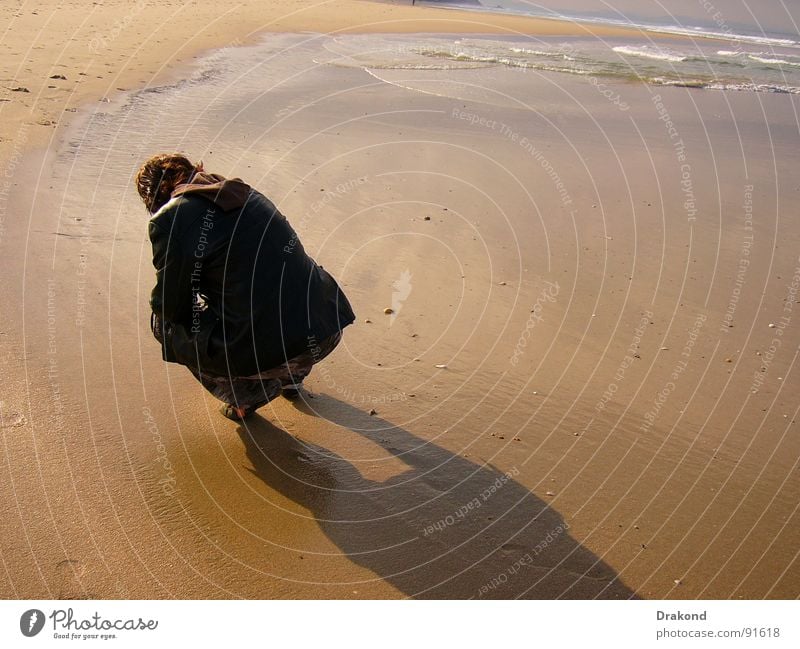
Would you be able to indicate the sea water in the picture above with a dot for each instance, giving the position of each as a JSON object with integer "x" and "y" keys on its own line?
{"x": 702, "y": 63}
{"x": 765, "y": 21}
{"x": 694, "y": 43}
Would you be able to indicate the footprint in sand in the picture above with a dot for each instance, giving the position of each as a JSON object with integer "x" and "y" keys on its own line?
{"x": 68, "y": 579}
{"x": 10, "y": 418}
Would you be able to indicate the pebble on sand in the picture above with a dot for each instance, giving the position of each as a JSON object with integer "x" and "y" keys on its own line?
{"x": 19, "y": 89}
{"x": 771, "y": 325}
{"x": 388, "y": 310}
{"x": 367, "y": 321}
{"x": 441, "y": 367}
{"x": 373, "y": 412}
{"x": 427, "y": 218}
{"x": 549, "y": 493}
{"x": 58, "y": 76}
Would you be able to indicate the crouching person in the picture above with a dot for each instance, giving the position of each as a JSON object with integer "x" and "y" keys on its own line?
{"x": 237, "y": 300}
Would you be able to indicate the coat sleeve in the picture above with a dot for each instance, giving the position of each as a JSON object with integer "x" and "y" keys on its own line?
{"x": 172, "y": 298}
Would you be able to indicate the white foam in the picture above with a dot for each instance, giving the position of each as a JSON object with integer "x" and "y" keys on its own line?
{"x": 762, "y": 59}
{"x": 756, "y": 87}
{"x": 522, "y": 50}
{"x": 681, "y": 83}
{"x": 729, "y": 36}
{"x": 656, "y": 64}
{"x": 553, "y": 55}
{"x": 698, "y": 32}
{"x": 651, "y": 53}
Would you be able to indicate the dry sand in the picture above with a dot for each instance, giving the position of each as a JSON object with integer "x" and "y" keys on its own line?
{"x": 508, "y": 473}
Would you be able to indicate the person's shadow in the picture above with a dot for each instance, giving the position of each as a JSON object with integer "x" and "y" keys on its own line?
{"x": 446, "y": 528}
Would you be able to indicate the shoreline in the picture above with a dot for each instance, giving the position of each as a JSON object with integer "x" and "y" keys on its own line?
{"x": 86, "y": 62}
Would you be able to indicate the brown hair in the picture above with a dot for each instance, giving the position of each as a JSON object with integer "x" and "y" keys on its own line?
{"x": 158, "y": 177}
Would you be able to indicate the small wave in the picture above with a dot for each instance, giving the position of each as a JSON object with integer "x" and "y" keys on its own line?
{"x": 767, "y": 58}
{"x": 554, "y": 55}
{"x": 469, "y": 57}
{"x": 679, "y": 83}
{"x": 651, "y": 53}
{"x": 771, "y": 61}
{"x": 527, "y": 65}
{"x": 725, "y": 85}
{"x": 768, "y": 54}
{"x": 697, "y": 32}
{"x": 463, "y": 56}
{"x": 700, "y": 32}
{"x": 754, "y": 69}
{"x": 401, "y": 65}
{"x": 497, "y": 59}
{"x": 756, "y": 87}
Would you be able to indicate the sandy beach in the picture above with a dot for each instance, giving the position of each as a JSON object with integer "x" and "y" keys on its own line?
{"x": 120, "y": 45}
{"x": 587, "y": 387}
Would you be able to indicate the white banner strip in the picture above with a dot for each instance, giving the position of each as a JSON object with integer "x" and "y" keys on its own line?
{"x": 399, "y": 624}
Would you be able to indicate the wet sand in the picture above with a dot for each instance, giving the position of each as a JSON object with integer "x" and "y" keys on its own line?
{"x": 616, "y": 416}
